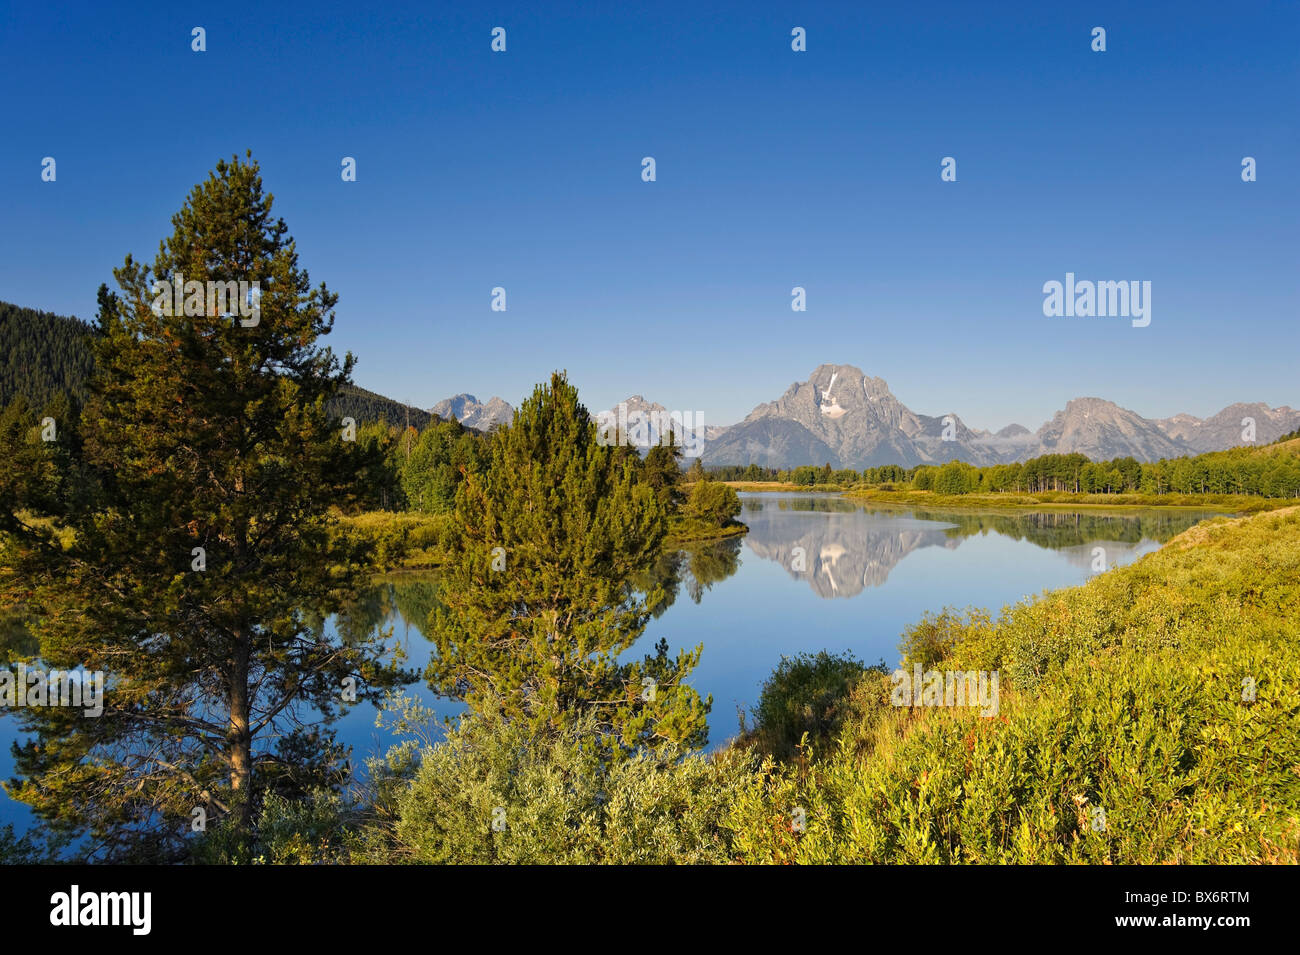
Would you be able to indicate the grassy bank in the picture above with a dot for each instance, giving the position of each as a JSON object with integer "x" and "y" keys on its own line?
{"x": 684, "y": 530}
{"x": 762, "y": 486}
{"x": 1226, "y": 503}
{"x": 1149, "y": 716}
{"x": 403, "y": 539}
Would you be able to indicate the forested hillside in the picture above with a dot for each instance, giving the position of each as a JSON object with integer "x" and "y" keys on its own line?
{"x": 367, "y": 407}
{"x": 43, "y": 355}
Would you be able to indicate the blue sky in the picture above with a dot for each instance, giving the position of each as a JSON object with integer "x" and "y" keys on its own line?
{"x": 775, "y": 169}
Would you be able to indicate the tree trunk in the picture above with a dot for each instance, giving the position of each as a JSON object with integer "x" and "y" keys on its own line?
{"x": 238, "y": 739}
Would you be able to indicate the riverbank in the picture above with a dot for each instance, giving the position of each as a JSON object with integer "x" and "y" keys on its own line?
{"x": 1149, "y": 716}
{"x": 761, "y": 487}
{"x": 686, "y": 531}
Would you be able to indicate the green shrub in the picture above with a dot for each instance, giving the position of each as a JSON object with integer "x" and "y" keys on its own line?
{"x": 554, "y": 800}
{"x": 315, "y": 830}
{"x": 712, "y": 502}
{"x": 935, "y": 636}
{"x": 808, "y": 694}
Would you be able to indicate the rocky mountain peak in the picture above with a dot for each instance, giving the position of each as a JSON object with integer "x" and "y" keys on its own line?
{"x": 472, "y": 413}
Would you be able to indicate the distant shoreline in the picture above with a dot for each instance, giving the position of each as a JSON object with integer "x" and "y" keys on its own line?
{"x": 1058, "y": 500}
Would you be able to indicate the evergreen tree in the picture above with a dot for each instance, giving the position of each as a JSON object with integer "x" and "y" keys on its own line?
{"x": 662, "y": 471}
{"x": 539, "y": 603}
{"x": 200, "y": 548}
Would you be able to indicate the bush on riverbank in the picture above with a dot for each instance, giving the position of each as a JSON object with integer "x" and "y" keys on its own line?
{"x": 712, "y": 502}
{"x": 497, "y": 791}
{"x": 402, "y": 538}
{"x": 811, "y": 697}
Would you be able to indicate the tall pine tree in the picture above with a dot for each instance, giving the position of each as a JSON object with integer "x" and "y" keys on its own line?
{"x": 199, "y": 548}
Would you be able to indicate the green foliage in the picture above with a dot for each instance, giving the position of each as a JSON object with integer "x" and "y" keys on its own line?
{"x": 405, "y": 539}
{"x": 316, "y": 829}
{"x": 554, "y": 800}
{"x": 934, "y": 636}
{"x": 539, "y": 603}
{"x": 437, "y": 465}
{"x": 808, "y": 696}
{"x": 955, "y": 478}
{"x": 381, "y": 453}
{"x": 805, "y": 475}
{"x": 662, "y": 473}
{"x": 712, "y": 503}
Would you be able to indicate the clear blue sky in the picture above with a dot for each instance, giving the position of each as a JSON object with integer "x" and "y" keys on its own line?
{"x": 775, "y": 169}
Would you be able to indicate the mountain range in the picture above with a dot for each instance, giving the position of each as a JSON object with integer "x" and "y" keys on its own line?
{"x": 473, "y": 413}
{"x": 842, "y": 417}
{"x": 847, "y": 419}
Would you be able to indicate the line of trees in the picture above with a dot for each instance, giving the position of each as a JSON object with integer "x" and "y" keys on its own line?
{"x": 1266, "y": 471}
{"x": 1270, "y": 471}
{"x": 803, "y": 475}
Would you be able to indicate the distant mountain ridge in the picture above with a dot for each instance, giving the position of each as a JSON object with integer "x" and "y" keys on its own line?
{"x": 848, "y": 419}
{"x": 367, "y": 407}
{"x": 43, "y": 355}
{"x": 1223, "y": 430}
{"x": 473, "y": 413}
